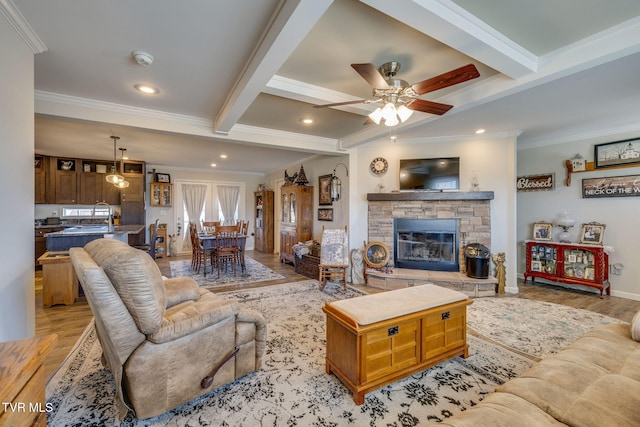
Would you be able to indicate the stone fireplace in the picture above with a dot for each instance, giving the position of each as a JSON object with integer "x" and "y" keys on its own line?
{"x": 467, "y": 213}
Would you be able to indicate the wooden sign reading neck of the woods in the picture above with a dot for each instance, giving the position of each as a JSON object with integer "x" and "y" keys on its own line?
{"x": 613, "y": 186}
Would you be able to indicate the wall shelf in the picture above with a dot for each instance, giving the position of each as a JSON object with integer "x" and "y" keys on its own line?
{"x": 589, "y": 167}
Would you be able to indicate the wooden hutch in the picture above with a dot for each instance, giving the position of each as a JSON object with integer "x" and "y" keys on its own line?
{"x": 297, "y": 218}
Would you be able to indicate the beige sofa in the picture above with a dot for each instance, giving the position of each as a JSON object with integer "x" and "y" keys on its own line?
{"x": 160, "y": 337}
{"x": 593, "y": 382}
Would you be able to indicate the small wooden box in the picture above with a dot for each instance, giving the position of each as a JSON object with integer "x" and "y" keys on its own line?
{"x": 59, "y": 280}
{"x": 370, "y": 356}
{"x": 308, "y": 266}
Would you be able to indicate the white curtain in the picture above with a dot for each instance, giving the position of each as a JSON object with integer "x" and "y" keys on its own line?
{"x": 193, "y": 196}
{"x": 228, "y": 196}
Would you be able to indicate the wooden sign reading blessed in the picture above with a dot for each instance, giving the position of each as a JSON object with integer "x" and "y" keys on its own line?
{"x": 540, "y": 182}
{"x": 613, "y": 186}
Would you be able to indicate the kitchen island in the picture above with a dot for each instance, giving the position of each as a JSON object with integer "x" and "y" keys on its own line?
{"x": 80, "y": 235}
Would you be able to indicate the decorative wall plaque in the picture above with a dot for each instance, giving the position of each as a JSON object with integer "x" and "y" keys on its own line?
{"x": 613, "y": 186}
{"x": 541, "y": 182}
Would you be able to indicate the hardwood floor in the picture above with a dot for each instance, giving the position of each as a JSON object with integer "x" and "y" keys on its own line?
{"x": 69, "y": 321}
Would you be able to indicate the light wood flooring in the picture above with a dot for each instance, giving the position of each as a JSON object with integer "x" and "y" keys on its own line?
{"x": 69, "y": 321}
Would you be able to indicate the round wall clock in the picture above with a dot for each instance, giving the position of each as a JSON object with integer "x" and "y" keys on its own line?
{"x": 379, "y": 166}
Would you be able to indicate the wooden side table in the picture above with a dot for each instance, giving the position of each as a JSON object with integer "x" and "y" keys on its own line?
{"x": 22, "y": 381}
{"x": 59, "y": 280}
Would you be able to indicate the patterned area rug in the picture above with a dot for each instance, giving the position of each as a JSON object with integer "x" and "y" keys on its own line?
{"x": 292, "y": 389}
{"x": 536, "y": 328}
{"x": 255, "y": 272}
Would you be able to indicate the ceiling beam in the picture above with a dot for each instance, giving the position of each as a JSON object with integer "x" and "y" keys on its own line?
{"x": 448, "y": 23}
{"x": 317, "y": 95}
{"x": 290, "y": 25}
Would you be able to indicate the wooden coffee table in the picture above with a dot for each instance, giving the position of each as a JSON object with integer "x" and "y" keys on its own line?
{"x": 378, "y": 339}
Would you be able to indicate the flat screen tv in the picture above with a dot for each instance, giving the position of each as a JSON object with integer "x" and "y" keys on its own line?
{"x": 437, "y": 174}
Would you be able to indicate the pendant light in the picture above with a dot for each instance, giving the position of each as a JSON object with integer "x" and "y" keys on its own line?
{"x": 113, "y": 177}
{"x": 122, "y": 184}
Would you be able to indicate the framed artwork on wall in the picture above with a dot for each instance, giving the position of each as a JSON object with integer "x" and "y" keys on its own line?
{"x": 325, "y": 214}
{"x": 324, "y": 194}
{"x": 163, "y": 177}
{"x": 626, "y": 152}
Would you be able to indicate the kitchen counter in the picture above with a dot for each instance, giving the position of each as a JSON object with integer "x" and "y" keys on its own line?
{"x": 79, "y": 230}
{"x": 80, "y": 235}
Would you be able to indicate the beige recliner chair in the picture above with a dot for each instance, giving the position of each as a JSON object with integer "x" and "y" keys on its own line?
{"x": 162, "y": 337}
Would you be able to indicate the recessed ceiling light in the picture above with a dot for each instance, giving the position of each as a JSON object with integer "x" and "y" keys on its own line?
{"x": 479, "y": 131}
{"x": 213, "y": 165}
{"x": 307, "y": 121}
{"x": 223, "y": 156}
{"x": 146, "y": 89}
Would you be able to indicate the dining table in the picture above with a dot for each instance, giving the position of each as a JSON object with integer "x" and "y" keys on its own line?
{"x": 208, "y": 242}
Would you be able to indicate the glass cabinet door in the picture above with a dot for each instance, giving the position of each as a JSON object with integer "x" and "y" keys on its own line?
{"x": 285, "y": 207}
{"x": 293, "y": 207}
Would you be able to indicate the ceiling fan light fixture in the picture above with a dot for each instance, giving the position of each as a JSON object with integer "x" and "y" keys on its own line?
{"x": 389, "y": 112}
{"x": 393, "y": 121}
{"x": 404, "y": 113}
{"x": 376, "y": 116}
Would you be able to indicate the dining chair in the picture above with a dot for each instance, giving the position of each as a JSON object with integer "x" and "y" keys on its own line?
{"x": 227, "y": 249}
{"x": 198, "y": 253}
{"x": 209, "y": 227}
{"x": 151, "y": 247}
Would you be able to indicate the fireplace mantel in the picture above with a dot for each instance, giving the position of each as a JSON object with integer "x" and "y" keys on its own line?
{"x": 430, "y": 195}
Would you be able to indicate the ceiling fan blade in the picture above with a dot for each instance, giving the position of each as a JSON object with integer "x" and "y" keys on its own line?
{"x": 429, "y": 107}
{"x": 447, "y": 79}
{"x": 370, "y": 73}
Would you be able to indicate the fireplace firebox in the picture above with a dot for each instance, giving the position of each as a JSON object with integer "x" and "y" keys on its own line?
{"x": 426, "y": 244}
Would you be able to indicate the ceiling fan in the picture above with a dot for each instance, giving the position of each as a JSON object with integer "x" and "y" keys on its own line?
{"x": 398, "y": 97}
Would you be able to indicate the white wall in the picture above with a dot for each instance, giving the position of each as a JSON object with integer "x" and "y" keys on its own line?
{"x": 314, "y": 168}
{"x": 619, "y": 214}
{"x": 17, "y": 304}
{"x": 491, "y": 157}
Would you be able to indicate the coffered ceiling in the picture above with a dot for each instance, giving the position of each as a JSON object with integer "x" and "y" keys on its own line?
{"x": 237, "y": 77}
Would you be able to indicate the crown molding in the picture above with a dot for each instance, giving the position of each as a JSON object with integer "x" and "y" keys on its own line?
{"x": 22, "y": 27}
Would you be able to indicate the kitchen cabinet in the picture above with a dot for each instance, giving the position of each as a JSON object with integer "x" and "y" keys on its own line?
{"x": 297, "y": 218}
{"x": 161, "y": 194}
{"x": 264, "y": 221}
{"x": 572, "y": 263}
{"x": 40, "y": 167}
{"x": 65, "y": 180}
{"x": 132, "y": 207}
{"x": 94, "y": 187}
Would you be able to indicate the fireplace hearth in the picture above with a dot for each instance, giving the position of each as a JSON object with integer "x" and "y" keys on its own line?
{"x": 426, "y": 244}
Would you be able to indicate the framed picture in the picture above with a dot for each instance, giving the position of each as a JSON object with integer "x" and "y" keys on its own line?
{"x": 163, "y": 177}
{"x": 626, "y": 152}
{"x": 324, "y": 194}
{"x": 325, "y": 214}
{"x": 592, "y": 233}
{"x": 376, "y": 254}
{"x": 589, "y": 273}
{"x": 536, "y": 266}
{"x": 542, "y": 231}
